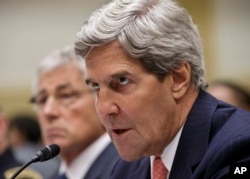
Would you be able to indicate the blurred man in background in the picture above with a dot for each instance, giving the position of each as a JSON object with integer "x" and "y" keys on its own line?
{"x": 67, "y": 116}
{"x": 231, "y": 93}
{"x": 24, "y": 136}
{"x": 7, "y": 159}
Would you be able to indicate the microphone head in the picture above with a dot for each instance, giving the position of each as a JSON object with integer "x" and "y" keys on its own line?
{"x": 54, "y": 148}
{"x": 47, "y": 153}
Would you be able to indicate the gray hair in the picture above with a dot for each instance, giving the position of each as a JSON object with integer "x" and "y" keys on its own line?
{"x": 159, "y": 33}
{"x": 56, "y": 59}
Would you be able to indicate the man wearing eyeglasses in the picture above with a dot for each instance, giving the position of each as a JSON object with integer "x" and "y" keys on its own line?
{"x": 66, "y": 112}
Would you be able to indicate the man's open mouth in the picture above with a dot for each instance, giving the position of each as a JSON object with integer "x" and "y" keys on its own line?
{"x": 119, "y": 131}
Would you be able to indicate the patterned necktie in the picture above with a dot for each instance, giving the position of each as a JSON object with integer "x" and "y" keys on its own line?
{"x": 159, "y": 169}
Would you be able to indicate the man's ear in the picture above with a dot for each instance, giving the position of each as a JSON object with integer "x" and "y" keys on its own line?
{"x": 181, "y": 78}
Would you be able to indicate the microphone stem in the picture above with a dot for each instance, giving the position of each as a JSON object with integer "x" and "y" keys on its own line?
{"x": 20, "y": 169}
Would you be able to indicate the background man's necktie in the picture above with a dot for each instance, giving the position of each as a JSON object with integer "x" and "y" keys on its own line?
{"x": 62, "y": 176}
{"x": 159, "y": 169}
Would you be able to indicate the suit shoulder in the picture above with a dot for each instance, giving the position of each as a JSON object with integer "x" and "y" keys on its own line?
{"x": 231, "y": 120}
{"x": 139, "y": 169}
{"x": 104, "y": 163}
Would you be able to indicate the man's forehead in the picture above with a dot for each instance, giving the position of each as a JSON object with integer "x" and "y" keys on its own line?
{"x": 110, "y": 48}
{"x": 58, "y": 87}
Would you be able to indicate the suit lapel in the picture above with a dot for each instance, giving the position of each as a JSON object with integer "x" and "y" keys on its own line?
{"x": 139, "y": 169}
{"x": 143, "y": 169}
{"x": 103, "y": 165}
{"x": 194, "y": 138}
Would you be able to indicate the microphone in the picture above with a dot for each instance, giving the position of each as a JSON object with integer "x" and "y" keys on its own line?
{"x": 42, "y": 155}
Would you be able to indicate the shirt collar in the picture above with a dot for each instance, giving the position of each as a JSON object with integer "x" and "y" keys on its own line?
{"x": 80, "y": 166}
{"x": 169, "y": 152}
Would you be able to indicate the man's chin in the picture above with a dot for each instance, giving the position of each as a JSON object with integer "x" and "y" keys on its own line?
{"x": 55, "y": 141}
{"x": 129, "y": 156}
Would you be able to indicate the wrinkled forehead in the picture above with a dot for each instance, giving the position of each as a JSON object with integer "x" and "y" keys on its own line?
{"x": 107, "y": 48}
{"x": 64, "y": 77}
{"x": 112, "y": 52}
{"x": 56, "y": 89}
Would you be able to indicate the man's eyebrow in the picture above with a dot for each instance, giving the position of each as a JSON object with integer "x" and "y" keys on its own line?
{"x": 58, "y": 88}
{"x": 63, "y": 86}
{"x": 120, "y": 74}
{"x": 113, "y": 76}
{"x": 41, "y": 92}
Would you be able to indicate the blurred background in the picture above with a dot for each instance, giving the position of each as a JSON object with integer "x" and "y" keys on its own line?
{"x": 31, "y": 29}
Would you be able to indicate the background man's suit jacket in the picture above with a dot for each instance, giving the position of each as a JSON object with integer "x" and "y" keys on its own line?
{"x": 104, "y": 164}
{"x": 7, "y": 161}
{"x": 215, "y": 136}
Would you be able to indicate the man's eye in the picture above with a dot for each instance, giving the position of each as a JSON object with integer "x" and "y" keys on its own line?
{"x": 123, "y": 80}
{"x": 66, "y": 95}
{"x": 41, "y": 100}
{"x": 94, "y": 86}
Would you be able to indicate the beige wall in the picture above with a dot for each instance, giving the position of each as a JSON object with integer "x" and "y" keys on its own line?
{"x": 30, "y": 29}
{"x": 201, "y": 12}
{"x": 231, "y": 41}
{"x": 224, "y": 26}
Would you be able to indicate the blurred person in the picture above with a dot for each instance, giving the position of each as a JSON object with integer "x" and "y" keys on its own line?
{"x": 145, "y": 63}
{"x": 67, "y": 116}
{"x": 7, "y": 159}
{"x": 24, "y": 136}
{"x": 231, "y": 93}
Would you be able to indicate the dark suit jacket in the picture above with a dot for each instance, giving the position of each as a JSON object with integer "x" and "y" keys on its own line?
{"x": 215, "y": 136}
{"x": 103, "y": 165}
{"x": 7, "y": 161}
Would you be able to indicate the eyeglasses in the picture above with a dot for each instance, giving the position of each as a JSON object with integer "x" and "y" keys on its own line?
{"x": 63, "y": 99}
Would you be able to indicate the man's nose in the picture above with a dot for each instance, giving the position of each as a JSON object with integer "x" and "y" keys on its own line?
{"x": 106, "y": 103}
{"x": 51, "y": 107}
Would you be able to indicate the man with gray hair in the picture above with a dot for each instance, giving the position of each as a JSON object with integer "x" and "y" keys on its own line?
{"x": 145, "y": 62}
{"x": 67, "y": 116}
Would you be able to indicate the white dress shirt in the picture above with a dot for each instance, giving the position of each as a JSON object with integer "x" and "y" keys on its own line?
{"x": 80, "y": 166}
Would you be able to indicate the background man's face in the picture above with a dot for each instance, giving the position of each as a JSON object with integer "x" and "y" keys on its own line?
{"x": 67, "y": 117}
